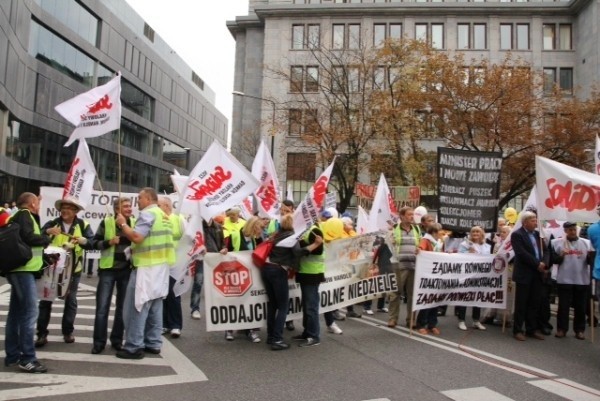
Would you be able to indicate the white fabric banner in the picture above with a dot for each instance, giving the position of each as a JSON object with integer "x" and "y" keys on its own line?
{"x": 268, "y": 196}
{"x": 597, "y": 156}
{"x": 362, "y": 221}
{"x": 566, "y": 193}
{"x": 218, "y": 182}
{"x": 459, "y": 279}
{"x": 80, "y": 178}
{"x": 235, "y": 297}
{"x": 94, "y": 112}
{"x": 383, "y": 208}
{"x": 190, "y": 249}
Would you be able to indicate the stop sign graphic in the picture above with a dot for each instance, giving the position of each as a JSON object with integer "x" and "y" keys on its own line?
{"x": 232, "y": 278}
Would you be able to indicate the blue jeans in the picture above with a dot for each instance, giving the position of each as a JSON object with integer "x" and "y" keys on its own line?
{"x": 197, "y": 286}
{"x": 144, "y": 328}
{"x": 275, "y": 280}
{"x": 172, "y": 316}
{"x": 310, "y": 310}
{"x": 107, "y": 279}
{"x": 69, "y": 313}
{"x": 20, "y": 322}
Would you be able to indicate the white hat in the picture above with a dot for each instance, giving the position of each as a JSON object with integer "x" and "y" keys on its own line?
{"x": 59, "y": 204}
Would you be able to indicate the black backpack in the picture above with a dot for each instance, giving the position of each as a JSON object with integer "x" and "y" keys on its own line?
{"x": 15, "y": 252}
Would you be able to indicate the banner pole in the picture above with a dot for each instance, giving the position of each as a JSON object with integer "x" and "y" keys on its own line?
{"x": 119, "y": 163}
{"x": 592, "y": 313}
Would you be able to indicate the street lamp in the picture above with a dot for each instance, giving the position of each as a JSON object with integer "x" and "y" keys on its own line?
{"x": 238, "y": 93}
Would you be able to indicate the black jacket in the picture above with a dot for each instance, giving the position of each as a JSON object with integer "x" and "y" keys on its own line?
{"x": 23, "y": 219}
{"x": 526, "y": 263}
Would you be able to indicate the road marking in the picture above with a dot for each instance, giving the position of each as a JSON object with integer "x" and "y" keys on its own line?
{"x": 475, "y": 394}
{"x": 568, "y": 389}
{"x": 379, "y": 399}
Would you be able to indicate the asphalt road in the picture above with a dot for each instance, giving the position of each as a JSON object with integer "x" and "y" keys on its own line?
{"x": 368, "y": 361}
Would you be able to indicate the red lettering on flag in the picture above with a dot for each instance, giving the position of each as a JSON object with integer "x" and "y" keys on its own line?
{"x": 572, "y": 197}
{"x": 103, "y": 103}
{"x": 69, "y": 180}
{"x": 212, "y": 184}
{"x": 266, "y": 194}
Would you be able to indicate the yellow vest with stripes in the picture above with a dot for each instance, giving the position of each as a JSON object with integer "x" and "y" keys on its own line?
{"x": 157, "y": 248}
{"x": 312, "y": 264}
{"x": 107, "y": 257}
{"x": 61, "y": 239}
{"x": 36, "y": 262}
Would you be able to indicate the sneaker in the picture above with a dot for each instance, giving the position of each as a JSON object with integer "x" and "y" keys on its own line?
{"x": 196, "y": 315}
{"x": 9, "y": 364}
{"x": 477, "y": 325}
{"x": 462, "y": 326}
{"x": 368, "y": 312}
{"x": 69, "y": 338}
{"x": 309, "y": 342}
{"x": 33, "y": 367}
{"x": 175, "y": 333}
{"x": 154, "y": 351}
{"x": 165, "y": 331}
{"x": 253, "y": 336}
{"x": 423, "y": 331}
{"x": 279, "y": 346}
{"x": 41, "y": 341}
{"x": 354, "y": 314}
{"x": 338, "y": 316}
{"x": 229, "y": 335}
{"x": 435, "y": 331}
{"x": 383, "y": 310}
{"x": 334, "y": 329}
{"x": 124, "y": 354}
{"x": 299, "y": 337}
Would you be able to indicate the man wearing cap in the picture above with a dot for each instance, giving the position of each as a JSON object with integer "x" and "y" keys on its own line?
{"x": 74, "y": 235}
{"x": 572, "y": 254}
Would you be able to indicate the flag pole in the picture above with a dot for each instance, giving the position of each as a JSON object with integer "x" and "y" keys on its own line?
{"x": 119, "y": 163}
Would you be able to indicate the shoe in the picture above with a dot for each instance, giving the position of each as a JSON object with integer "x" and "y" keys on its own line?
{"x": 519, "y": 336}
{"x": 116, "y": 346}
{"x": 279, "y": 346}
{"x": 290, "y": 325}
{"x": 477, "y": 325}
{"x": 334, "y": 329}
{"x": 253, "y": 336}
{"x": 392, "y": 323}
{"x": 423, "y": 331}
{"x": 383, "y": 310}
{"x": 310, "y": 342}
{"x": 165, "y": 331}
{"x": 560, "y": 334}
{"x": 546, "y": 331}
{"x": 354, "y": 314}
{"x": 10, "y": 364}
{"x": 338, "y": 316}
{"x": 123, "y": 354}
{"x": 41, "y": 341}
{"x": 154, "y": 351}
{"x": 196, "y": 315}
{"x": 462, "y": 326}
{"x": 537, "y": 335}
{"x": 97, "y": 349}
{"x": 369, "y": 312}
{"x": 69, "y": 338}
{"x": 579, "y": 335}
{"x": 175, "y": 333}
{"x": 229, "y": 335}
{"x": 33, "y": 367}
{"x": 435, "y": 331}
{"x": 299, "y": 337}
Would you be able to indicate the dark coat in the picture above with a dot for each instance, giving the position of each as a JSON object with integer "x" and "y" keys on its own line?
{"x": 526, "y": 263}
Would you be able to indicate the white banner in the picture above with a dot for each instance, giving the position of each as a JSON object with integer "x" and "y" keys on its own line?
{"x": 94, "y": 112}
{"x": 80, "y": 178}
{"x": 362, "y": 221}
{"x": 235, "y": 297}
{"x": 268, "y": 196}
{"x": 190, "y": 249}
{"x": 383, "y": 209}
{"x": 566, "y": 193}
{"x": 597, "y": 156}
{"x": 459, "y": 279}
{"x": 218, "y": 182}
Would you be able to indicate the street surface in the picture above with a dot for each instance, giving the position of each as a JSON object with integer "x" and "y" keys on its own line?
{"x": 369, "y": 361}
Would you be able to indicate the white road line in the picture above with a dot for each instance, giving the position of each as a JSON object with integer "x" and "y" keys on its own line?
{"x": 453, "y": 347}
{"x": 568, "y": 389}
{"x": 79, "y": 357}
{"x": 379, "y": 399}
{"x": 475, "y": 394}
{"x": 60, "y": 315}
{"x": 58, "y": 327}
{"x": 59, "y": 339}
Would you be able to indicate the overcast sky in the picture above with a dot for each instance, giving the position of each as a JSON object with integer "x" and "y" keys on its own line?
{"x": 196, "y": 30}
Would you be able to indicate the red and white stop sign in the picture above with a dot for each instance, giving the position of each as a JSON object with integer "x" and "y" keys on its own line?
{"x": 232, "y": 278}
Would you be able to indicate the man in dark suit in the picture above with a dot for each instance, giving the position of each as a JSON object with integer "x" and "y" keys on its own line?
{"x": 531, "y": 265}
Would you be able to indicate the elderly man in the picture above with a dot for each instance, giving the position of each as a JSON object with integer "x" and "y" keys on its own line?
{"x": 73, "y": 234}
{"x": 531, "y": 264}
{"x": 152, "y": 255}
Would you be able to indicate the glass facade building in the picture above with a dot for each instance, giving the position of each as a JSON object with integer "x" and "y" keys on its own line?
{"x": 52, "y": 50}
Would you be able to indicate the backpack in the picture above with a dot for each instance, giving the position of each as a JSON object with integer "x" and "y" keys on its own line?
{"x": 15, "y": 252}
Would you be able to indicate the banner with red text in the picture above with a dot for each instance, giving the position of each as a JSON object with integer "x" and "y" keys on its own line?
{"x": 80, "y": 178}
{"x": 218, "y": 182}
{"x": 235, "y": 297}
{"x": 94, "y": 112}
{"x": 268, "y": 196}
{"x": 190, "y": 249}
{"x": 566, "y": 193}
{"x": 463, "y": 279}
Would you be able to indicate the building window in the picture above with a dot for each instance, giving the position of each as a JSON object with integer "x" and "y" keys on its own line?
{"x": 304, "y": 79}
{"x": 505, "y": 36}
{"x": 149, "y": 32}
{"x": 433, "y": 34}
{"x": 302, "y": 121}
{"x": 381, "y": 32}
{"x": 345, "y": 36}
{"x": 522, "y": 36}
{"x": 549, "y": 31}
{"x": 566, "y": 81}
{"x": 353, "y": 79}
{"x": 379, "y": 78}
{"x": 552, "y": 42}
{"x": 565, "y": 37}
{"x": 301, "y": 166}
{"x": 479, "y": 36}
{"x": 74, "y": 16}
{"x": 136, "y": 100}
{"x": 520, "y": 33}
{"x": 305, "y": 36}
{"x": 197, "y": 80}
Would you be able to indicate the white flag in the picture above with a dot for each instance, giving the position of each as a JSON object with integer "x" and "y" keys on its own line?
{"x": 80, "y": 178}
{"x": 383, "y": 208}
{"x": 290, "y": 193}
{"x": 178, "y": 181}
{"x": 218, "y": 182}
{"x": 94, "y": 112}
{"x": 307, "y": 212}
{"x": 362, "y": 221}
{"x": 189, "y": 250}
{"x": 597, "y": 155}
{"x": 267, "y": 195}
{"x": 246, "y": 208}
